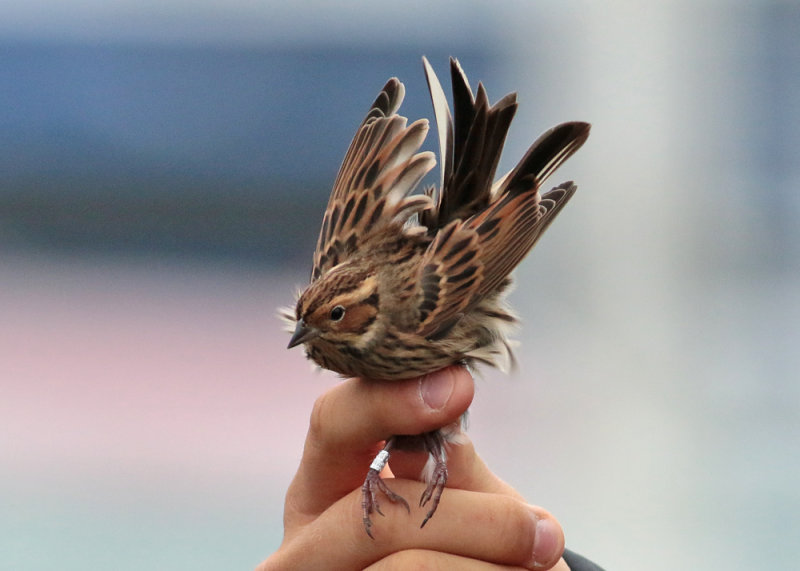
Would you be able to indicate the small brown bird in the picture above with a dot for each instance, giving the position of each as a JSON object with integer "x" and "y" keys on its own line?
{"x": 403, "y": 285}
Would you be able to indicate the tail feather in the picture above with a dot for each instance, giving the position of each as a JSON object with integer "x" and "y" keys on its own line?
{"x": 471, "y": 142}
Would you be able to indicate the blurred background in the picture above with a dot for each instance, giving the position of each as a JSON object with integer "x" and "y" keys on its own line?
{"x": 163, "y": 173}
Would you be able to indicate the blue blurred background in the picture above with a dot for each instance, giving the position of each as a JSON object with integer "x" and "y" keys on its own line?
{"x": 163, "y": 172}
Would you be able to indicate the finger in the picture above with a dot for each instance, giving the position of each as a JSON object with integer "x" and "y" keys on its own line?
{"x": 434, "y": 561}
{"x": 489, "y": 527}
{"x": 466, "y": 470}
{"x": 350, "y": 421}
{"x": 423, "y": 559}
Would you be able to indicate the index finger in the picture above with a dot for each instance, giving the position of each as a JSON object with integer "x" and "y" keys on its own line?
{"x": 350, "y": 422}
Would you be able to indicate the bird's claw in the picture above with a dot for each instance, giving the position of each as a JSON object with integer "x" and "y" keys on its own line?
{"x": 433, "y": 492}
{"x": 373, "y": 484}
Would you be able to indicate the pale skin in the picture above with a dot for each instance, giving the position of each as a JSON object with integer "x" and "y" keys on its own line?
{"x": 482, "y": 523}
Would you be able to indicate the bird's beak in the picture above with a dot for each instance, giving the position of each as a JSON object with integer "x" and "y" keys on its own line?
{"x": 302, "y": 333}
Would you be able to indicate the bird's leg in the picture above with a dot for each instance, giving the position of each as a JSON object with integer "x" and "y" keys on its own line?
{"x": 438, "y": 474}
{"x": 373, "y": 483}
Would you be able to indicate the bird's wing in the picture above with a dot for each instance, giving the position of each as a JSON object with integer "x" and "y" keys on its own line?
{"x": 381, "y": 168}
{"x": 471, "y": 259}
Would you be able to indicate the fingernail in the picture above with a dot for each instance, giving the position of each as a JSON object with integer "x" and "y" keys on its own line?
{"x": 436, "y": 388}
{"x": 546, "y": 542}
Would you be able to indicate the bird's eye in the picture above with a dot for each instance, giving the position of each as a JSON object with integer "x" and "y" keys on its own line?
{"x": 337, "y": 313}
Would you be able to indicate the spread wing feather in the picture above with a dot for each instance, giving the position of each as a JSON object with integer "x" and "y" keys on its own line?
{"x": 380, "y": 169}
{"x": 450, "y": 271}
{"x": 509, "y": 231}
{"x": 484, "y": 229}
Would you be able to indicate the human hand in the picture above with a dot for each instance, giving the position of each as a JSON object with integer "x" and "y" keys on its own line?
{"x": 482, "y": 523}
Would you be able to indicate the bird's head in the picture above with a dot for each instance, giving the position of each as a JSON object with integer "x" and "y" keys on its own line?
{"x": 341, "y": 306}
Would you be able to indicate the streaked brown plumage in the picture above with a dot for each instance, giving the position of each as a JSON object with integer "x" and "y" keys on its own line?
{"x": 403, "y": 285}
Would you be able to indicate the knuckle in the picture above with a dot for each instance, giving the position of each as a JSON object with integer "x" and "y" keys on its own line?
{"x": 320, "y": 417}
{"x": 515, "y": 528}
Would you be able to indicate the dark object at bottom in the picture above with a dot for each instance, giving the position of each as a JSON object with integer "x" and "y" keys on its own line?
{"x": 579, "y": 562}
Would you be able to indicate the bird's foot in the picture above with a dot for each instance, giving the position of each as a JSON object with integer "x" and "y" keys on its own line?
{"x": 373, "y": 484}
{"x": 433, "y": 492}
